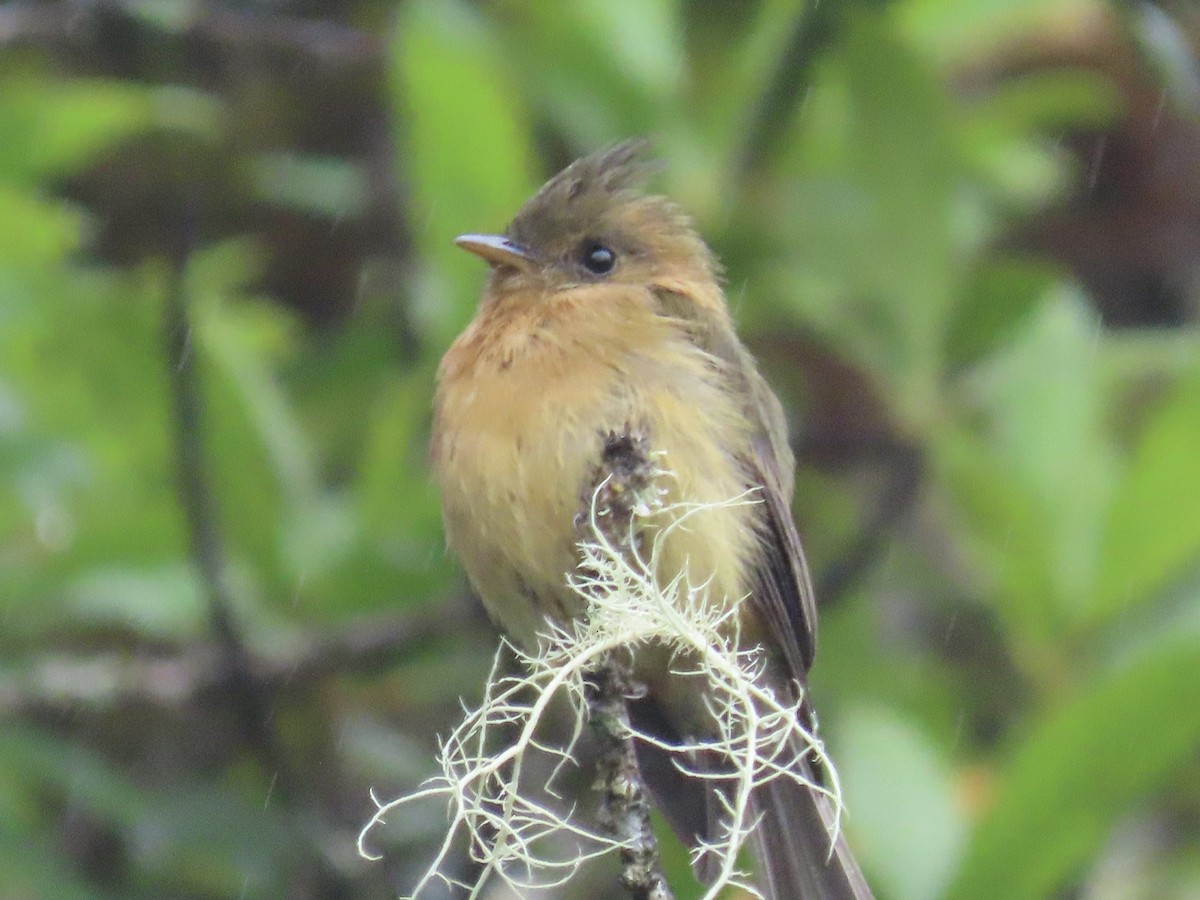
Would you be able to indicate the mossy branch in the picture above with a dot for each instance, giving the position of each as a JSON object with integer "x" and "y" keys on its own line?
{"x": 757, "y": 735}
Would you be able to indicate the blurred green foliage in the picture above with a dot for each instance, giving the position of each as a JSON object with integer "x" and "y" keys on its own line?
{"x": 1009, "y": 679}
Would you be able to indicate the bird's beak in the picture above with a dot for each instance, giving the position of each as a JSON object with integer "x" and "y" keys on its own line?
{"x": 496, "y": 249}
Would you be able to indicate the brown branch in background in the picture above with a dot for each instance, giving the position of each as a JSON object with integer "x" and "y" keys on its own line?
{"x": 903, "y": 471}
{"x": 244, "y": 693}
{"x": 620, "y": 484}
{"x": 247, "y": 695}
{"x": 773, "y": 113}
{"x": 331, "y": 265}
{"x": 61, "y": 683}
{"x": 88, "y": 27}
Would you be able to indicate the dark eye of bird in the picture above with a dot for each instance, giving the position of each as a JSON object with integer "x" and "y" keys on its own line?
{"x": 597, "y": 259}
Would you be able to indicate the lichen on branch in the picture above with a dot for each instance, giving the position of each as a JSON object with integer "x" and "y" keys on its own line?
{"x": 756, "y": 736}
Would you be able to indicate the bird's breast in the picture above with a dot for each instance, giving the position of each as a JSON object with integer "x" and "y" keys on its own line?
{"x": 522, "y": 410}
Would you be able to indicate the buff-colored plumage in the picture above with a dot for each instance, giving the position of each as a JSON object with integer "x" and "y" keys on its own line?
{"x": 526, "y": 395}
{"x": 557, "y": 357}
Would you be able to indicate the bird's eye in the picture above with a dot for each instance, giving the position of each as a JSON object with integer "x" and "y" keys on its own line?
{"x": 598, "y": 259}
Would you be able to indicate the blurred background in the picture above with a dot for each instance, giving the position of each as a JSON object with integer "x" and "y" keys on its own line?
{"x": 963, "y": 237}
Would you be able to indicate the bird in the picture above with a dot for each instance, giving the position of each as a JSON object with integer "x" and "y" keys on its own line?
{"x": 604, "y": 312}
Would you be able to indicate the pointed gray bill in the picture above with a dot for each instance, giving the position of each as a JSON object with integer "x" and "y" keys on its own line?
{"x": 496, "y": 249}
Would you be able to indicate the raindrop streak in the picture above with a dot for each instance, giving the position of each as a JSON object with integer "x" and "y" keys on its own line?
{"x": 953, "y": 621}
{"x": 1156, "y": 121}
{"x": 185, "y": 350}
{"x": 960, "y": 722}
{"x": 270, "y": 790}
{"x": 300, "y": 579}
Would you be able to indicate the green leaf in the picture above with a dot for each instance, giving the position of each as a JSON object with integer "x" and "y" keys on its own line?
{"x": 198, "y": 838}
{"x": 601, "y": 69}
{"x": 246, "y": 341}
{"x": 161, "y": 602}
{"x": 732, "y": 72}
{"x": 1054, "y": 467}
{"x": 996, "y": 300}
{"x": 53, "y": 126}
{"x": 327, "y": 186}
{"x": 1079, "y": 771}
{"x": 93, "y": 491}
{"x": 902, "y": 149}
{"x": 901, "y": 811}
{"x": 34, "y": 235}
{"x": 873, "y": 216}
{"x": 1152, "y": 530}
{"x": 1007, "y": 137}
{"x": 1029, "y": 105}
{"x": 394, "y": 485}
{"x": 953, "y": 31}
{"x": 71, "y": 769}
{"x": 1001, "y": 527}
{"x": 465, "y": 150}
{"x": 402, "y": 550}
{"x": 263, "y": 466}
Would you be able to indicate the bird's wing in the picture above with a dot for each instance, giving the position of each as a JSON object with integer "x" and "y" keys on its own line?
{"x": 781, "y": 586}
{"x": 796, "y": 822}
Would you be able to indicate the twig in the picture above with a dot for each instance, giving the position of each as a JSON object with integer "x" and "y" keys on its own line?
{"x": 903, "y": 469}
{"x": 757, "y": 738}
{"x": 88, "y": 28}
{"x": 247, "y": 695}
{"x": 618, "y": 487}
{"x": 772, "y": 115}
{"x": 624, "y": 809}
{"x": 62, "y": 683}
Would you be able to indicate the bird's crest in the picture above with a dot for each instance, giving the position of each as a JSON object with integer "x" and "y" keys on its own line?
{"x": 585, "y": 191}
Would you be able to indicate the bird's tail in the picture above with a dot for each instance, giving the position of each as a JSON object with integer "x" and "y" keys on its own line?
{"x": 800, "y": 857}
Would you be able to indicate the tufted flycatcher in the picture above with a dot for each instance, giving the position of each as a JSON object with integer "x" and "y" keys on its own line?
{"x": 604, "y": 311}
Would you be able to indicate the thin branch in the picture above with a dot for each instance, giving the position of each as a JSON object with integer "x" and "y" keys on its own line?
{"x": 813, "y": 27}
{"x": 625, "y": 809}
{"x": 619, "y": 486}
{"x": 904, "y": 470}
{"x": 247, "y": 695}
{"x": 88, "y": 28}
{"x": 61, "y": 683}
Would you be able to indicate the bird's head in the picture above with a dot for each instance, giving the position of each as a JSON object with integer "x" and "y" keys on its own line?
{"x": 593, "y": 223}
